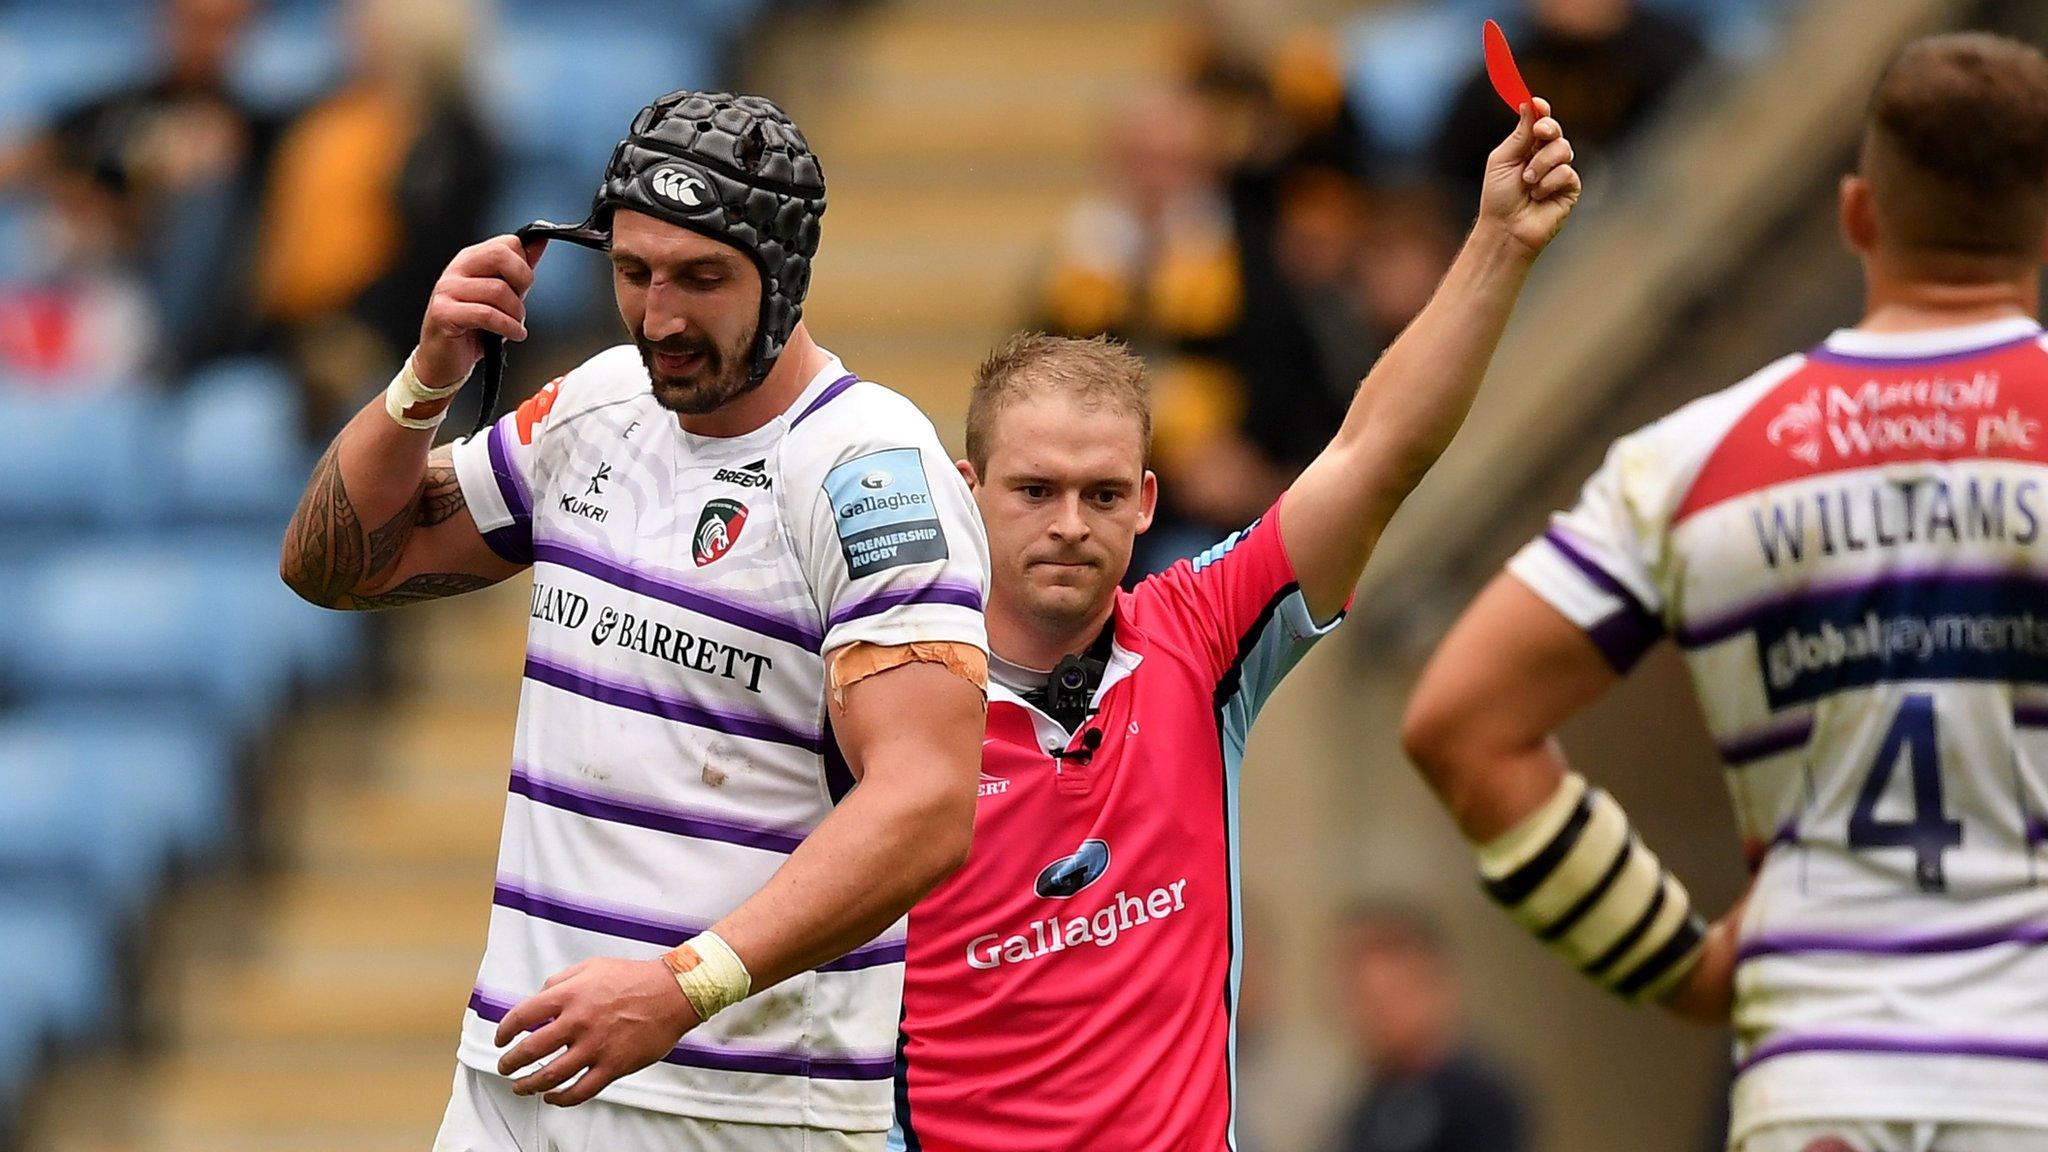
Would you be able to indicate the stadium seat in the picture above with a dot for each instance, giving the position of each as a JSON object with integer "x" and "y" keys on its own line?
{"x": 314, "y": 644}
{"x": 290, "y": 58}
{"x": 112, "y": 794}
{"x": 565, "y": 91}
{"x": 78, "y": 454}
{"x": 56, "y": 962}
{"x": 52, "y": 58}
{"x": 154, "y": 621}
{"x": 1406, "y": 64}
{"x": 233, "y": 440}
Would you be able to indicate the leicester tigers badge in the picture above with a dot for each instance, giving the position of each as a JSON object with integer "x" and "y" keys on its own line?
{"x": 718, "y": 529}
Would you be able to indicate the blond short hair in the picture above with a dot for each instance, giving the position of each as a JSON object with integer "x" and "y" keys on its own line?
{"x": 1100, "y": 373}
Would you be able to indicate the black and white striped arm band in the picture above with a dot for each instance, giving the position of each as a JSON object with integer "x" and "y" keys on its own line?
{"x": 1575, "y": 874}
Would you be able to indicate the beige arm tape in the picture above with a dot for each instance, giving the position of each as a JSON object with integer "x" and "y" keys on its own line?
{"x": 710, "y": 974}
{"x": 857, "y": 661}
{"x": 406, "y": 392}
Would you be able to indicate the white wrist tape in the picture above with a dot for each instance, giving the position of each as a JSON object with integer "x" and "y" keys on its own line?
{"x": 405, "y": 391}
{"x": 716, "y": 981}
{"x": 1574, "y": 874}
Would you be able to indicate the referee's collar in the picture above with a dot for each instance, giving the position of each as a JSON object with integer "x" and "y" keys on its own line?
{"x": 1126, "y": 652}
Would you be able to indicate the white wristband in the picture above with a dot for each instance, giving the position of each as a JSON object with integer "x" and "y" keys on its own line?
{"x": 405, "y": 391}
{"x": 717, "y": 981}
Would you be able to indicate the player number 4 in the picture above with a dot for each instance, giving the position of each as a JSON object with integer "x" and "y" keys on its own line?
{"x": 1930, "y": 832}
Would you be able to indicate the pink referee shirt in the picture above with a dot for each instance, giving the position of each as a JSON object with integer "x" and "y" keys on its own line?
{"x": 1074, "y": 985}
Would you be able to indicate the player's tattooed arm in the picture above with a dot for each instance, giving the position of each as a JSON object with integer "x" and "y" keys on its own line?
{"x": 331, "y": 558}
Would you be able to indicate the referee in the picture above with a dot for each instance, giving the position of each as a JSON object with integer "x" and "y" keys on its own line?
{"x": 1074, "y": 984}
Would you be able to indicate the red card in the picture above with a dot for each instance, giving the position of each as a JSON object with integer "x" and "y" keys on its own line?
{"x": 1500, "y": 68}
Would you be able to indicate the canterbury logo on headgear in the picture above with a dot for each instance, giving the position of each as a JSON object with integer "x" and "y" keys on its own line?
{"x": 679, "y": 186}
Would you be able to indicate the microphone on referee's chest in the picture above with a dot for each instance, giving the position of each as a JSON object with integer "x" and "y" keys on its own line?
{"x": 1091, "y": 739}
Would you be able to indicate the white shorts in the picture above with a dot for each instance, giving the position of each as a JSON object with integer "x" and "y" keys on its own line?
{"x": 1880, "y": 1136}
{"x": 485, "y": 1116}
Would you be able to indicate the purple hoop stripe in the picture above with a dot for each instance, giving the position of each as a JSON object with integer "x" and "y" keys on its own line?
{"x": 1625, "y": 636}
{"x": 1799, "y": 943}
{"x": 1826, "y": 355}
{"x": 634, "y": 925}
{"x": 2030, "y": 715}
{"x": 938, "y": 592}
{"x": 832, "y": 392}
{"x": 658, "y": 818}
{"x": 695, "y": 1054}
{"x": 669, "y": 707}
{"x": 1717, "y": 628}
{"x": 513, "y": 543}
{"x": 511, "y": 485}
{"x": 1752, "y": 746}
{"x": 1594, "y": 572}
{"x": 1993, "y": 1046}
{"x": 670, "y": 592}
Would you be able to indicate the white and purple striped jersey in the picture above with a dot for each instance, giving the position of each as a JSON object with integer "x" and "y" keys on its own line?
{"x": 1848, "y": 548}
{"x": 673, "y": 746}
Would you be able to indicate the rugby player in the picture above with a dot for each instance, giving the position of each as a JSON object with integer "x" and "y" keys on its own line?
{"x": 1074, "y": 984}
{"x": 1848, "y": 549}
{"x": 756, "y": 580}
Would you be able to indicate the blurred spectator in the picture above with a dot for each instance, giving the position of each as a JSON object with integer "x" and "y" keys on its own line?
{"x": 152, "y": 184}
{"x": 376, "y": 188}
{"x": 85, "y": 320}
{"x": 1430, "y": 1089}
{"x": 1152, "y": 259}
{"x": 1604, "y": 65}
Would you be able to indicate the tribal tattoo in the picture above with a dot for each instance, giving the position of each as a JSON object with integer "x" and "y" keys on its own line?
{"x": 330, "y": 557}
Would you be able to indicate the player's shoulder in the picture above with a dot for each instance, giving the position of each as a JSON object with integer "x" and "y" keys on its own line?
{"x": 1668, "y": 452}
{"x": 854, "y": 419}
{"x": 613, "y": 377}
{"x": 864, "y": 411}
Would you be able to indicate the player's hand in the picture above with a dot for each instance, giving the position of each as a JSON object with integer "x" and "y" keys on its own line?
{"x": 1707, "y": 995}
{"x": 1530, "y": 184}
{"x": 482, "y": 290}
{"x": 604, "y": 1018}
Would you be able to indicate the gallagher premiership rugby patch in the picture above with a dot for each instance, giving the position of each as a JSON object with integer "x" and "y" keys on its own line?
{"x": 883, "y": 508}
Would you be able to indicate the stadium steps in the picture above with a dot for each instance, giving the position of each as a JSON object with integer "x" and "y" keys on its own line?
{"x": 954, "y": 140}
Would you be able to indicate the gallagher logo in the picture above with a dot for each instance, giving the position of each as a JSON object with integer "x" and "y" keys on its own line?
{"x": 717, "y": 529}
{"x": 1070, "y": 874}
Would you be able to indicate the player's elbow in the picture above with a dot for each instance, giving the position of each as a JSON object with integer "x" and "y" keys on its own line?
{"x": 1430, "y": 732}
{"x": 299, "y": 576}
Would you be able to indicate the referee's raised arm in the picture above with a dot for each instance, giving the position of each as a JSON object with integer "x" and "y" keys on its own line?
{"x": 383, "y": 521}
{"x": 1412, "y": 402}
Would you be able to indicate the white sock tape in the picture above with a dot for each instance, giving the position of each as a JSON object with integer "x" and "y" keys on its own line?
{"x": 405, "y": 391}
{"x": 717, "y": 981}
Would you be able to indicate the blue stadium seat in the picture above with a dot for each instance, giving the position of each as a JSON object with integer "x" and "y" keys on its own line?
{"x": 233, "y": 439}
{"x": 291, "y": 57}
{"x": 56, "y": 962}
{"x": 154, "y": 621}
{"x": 112, "y": 795}
{"x": 1405, "y": 66}
{"x": 54, "y": 57}
{"x": 76, "y": 454}
{"x": 315, "y": 644}
{"x": 565, "y": 91}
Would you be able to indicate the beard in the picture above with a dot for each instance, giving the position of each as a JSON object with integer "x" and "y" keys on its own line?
{"x": 725, "y": 375}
